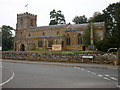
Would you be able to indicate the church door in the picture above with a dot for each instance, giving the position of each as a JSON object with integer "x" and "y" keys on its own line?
{"x": 84, "y": 48}
{"x": 22, "y": 47}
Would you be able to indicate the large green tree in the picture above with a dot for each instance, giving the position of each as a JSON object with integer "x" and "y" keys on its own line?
{"x": 0, "y": 37}
{"x": 112, "y": 20}
{"x": 80, "y": 19}
{"x": 56, "y": 17}
{"x": 112, "y": 25}
{"x": 7, "y": 38}
{"x": 97, "y": 17}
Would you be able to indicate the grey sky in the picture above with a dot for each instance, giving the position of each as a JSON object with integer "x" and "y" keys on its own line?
{"x": 70, "y": 8}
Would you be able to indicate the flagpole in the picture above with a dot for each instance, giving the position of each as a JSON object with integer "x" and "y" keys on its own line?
{"x": 26, "y": 7}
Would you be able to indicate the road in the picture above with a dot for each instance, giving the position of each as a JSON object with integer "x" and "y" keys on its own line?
{"x": 20, "y": 75}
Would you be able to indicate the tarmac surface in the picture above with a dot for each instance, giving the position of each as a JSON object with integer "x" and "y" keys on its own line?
{"x": 30, "y": 74}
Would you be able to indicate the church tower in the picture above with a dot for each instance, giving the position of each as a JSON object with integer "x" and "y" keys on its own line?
{"x": 25, "y": 21}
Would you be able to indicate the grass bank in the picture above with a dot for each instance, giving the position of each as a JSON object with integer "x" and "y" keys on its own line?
{"x": 51, "y": 51}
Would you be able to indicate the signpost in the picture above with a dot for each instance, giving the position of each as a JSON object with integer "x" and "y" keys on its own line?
{"x": 87, "y": 57}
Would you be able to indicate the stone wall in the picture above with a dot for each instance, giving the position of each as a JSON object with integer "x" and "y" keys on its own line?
{"x": 100, "y": 58}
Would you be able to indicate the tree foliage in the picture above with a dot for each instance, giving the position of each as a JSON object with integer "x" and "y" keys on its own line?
{"x": 80, "y": 19}
{"x": 97, "y": 17}
{"x": 56, "y": 17}
{"x": 7, "y": 39}
{"x": 0, "y": 37}
{"x": 112, "y": 25}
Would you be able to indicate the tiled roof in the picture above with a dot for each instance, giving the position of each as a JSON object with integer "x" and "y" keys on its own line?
{"x": 50, "y": 26}
{"x": 69, "y": 26}
{"x": 97, "y": 24}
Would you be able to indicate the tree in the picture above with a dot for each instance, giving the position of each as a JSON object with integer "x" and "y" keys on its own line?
{"x": 112, "y": 25}
{"x": 0, "y": 37}
{"x": 112, "y": 20}
{"x": 97, "y": 17}
{"x": 56, "y": 17}
{"x": 7, "y": 39}
{"x": 80, "y": 19}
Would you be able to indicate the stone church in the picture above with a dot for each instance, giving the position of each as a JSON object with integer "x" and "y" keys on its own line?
{"x": 69, "y": 36}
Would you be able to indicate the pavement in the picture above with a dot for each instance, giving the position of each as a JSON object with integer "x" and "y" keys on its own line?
{"x": 104, "y": 66}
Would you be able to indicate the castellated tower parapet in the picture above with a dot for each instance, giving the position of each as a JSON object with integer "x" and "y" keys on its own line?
{"x": 26, "y": 21}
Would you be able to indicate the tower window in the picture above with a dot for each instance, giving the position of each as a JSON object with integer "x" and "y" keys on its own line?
{"x": 31, "y": 22}
{"x": 21, "y": 21}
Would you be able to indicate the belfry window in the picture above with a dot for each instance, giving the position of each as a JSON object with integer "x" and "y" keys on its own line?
{"x": 40, "y": 43}
{"x": 31, "y": 22}
{"x": 79, "y": 39}
{"x": 21, "y": 21}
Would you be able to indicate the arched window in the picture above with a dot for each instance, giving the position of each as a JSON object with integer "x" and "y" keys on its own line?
{"x": 79, "y": 39}
{"x": 68, "y": 41}
{"x": 57, "y": 32}
{"x": 40, "y": 43}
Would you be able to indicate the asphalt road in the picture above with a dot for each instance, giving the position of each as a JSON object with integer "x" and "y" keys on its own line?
{"x": 19, "y": 75}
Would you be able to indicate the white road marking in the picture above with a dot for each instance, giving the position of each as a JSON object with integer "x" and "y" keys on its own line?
{"x": 100, "y": 75}
{"x": 7, "y": 80}
{"x": 82, "y": 69}
{"x": 106, "y": 78}
{"x": 78, "y": 68}
{"x": 93, "y": 73}
{"x": 118, "y": 86}
{"x": 113, "y": 78}
{"x": 88, "y": 71}
{"x": 107, "y": 75}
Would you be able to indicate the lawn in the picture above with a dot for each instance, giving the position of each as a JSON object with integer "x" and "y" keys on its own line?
{"x": 51, "y": 51}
